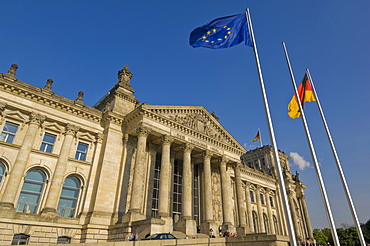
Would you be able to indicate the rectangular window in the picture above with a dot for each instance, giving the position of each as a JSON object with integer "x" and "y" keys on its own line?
{"x": 157, "y": 174}
{"x": 177, "y": 190}
{"x": 81, "y": 151}
{"x": 196, "y": 194}
{"x": 271, "y": 201}
{"x": 251, "y": 195}
{"x": 8, "y": 133}
{"x": 262, "y": 199}
{"x": 48, "y": 142}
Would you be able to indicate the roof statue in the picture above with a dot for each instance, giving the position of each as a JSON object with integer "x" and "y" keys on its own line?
{"x": 124, "y": 75}
{"x": 12, "y": 70}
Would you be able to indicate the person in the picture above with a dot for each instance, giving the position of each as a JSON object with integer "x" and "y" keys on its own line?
{"x": 136, "y": 236}
{"x": 131, "y": 237}
{"x": 186, "y": 237}
{"x": 211, "y": 234}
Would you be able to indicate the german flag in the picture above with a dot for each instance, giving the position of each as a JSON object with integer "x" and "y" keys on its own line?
{"x": 257, "y": 137}
{"x": 305, "y": 93}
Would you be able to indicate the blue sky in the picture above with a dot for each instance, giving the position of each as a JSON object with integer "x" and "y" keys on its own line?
{"x": 82, "y": 45}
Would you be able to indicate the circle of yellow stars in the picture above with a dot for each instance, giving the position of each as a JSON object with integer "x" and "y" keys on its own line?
{"x": 213, "y": 31}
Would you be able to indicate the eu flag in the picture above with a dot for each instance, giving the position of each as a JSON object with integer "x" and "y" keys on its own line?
{"x": 223, "y": 32}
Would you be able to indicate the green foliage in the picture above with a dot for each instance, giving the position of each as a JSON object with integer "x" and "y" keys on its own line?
{"x": 348, "y": 236}
{"x": 320, "y": 237}
{"x": 327, "y": 232}
{"x": 366, "y": 231}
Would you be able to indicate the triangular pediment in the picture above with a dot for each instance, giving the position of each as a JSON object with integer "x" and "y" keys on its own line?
{"x": 198, "y": 119}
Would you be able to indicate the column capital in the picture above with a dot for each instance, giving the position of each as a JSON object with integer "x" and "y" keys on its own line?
{"x": 36, "y": 118}
{"x": 71, "y": 129}
{"x": 187, "y": 147}
{"x": 207, "y": 154}
{"x": 125, "y": 138}
{"x": 223, "y": 160}
{"x": 99, "y": 137}
{"x": 143, "y": 131}
{"x": 167, "y": 140}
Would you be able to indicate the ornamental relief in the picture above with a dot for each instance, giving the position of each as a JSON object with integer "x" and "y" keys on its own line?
{"x": 216, "y": 196}
{"x": 199, "y": 123}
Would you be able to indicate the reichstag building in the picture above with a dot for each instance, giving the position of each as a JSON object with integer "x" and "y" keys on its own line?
{"x": 73, "y": 173}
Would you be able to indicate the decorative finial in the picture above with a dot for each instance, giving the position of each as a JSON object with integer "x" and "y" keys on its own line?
{"x": 12, "y": 70}
{"x": 49, "y": 84}
{"x": 79, "y": 99}
{"x": 214, "y": 115}
{"x": 124, "y": 75}
{"x": 80, "y": 96}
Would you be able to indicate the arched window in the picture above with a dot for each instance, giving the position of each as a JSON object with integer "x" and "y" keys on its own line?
{"x": 255, "y": 222}
{"x": 2, "y": 171}
{"x": 20, "y": 239}
{"x": 69, "y": 197}
{"x": 64, "y": 240}
{"x": 266, "y": 222}
{"x": 276, "y": 226}
{"x": 32, "y": 189}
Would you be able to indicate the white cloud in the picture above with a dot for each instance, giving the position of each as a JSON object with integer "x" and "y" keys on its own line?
{"x": 299, "y": 161}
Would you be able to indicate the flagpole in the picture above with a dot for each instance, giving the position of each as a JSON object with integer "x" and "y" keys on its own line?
{"x": 313, "y": 155}
{"x": 288, "y": 216}
{"x": 259, "y": 132}
{"x": 343, "y": 179}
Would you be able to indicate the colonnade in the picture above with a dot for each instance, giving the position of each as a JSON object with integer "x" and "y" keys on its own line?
{"x": 243, "y": 202}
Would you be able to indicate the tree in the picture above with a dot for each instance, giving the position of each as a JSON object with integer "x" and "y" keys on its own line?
{"x": 320, "y": 236}
{"x": 366, "y": 231}
{"x": 327, "y": 232}
{"x": 348, "y": 237}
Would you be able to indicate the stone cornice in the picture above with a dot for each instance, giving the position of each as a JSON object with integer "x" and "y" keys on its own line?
{"x": 33, "y": 93}
{"x": 258, "y": 175}
{"x": 153, "y": 113}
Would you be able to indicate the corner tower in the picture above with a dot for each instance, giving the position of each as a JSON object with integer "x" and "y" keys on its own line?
{"x": 120, "y": 98}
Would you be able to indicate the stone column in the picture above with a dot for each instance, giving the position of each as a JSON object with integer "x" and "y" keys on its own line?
{"x": 16, "y": 175}
{"x": 307, "y": 218}
{"x": 259, "y": 207}
{"x": 228, "y": 218}
{"x": 58, "y": 177}
{"x": 208, "y": 209}
{"x": 281, "y": 213}
{"x": 249, "y": 207}
{"x": 241, "y": 230}
{"x": 293, "y": 212}
{"x": 187, "y": 224}
{"x": 269, "y": 212}
{"x": 165, "y": 178}
{"x": 139, "y": 174}
{"x": 187, "y": 199}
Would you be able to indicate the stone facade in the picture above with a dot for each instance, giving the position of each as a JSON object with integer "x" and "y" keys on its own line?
{"x": 96, "y": 174}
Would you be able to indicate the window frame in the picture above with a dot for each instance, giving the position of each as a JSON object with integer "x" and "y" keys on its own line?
{"x": 81, "y": 153}
{"x": 251, "y": 195}
{"x": 8, "y": 133}
{"x": 2, "y": 175}
{"x": 30, "y": 193}
{"x": 74, "y": 199}
{"x": 44, "y": 145}
{"x": 18, "y": 240}
{"x": 271, "y": 201}
{"x": 68, "y": 241}
{"x": 262, "y": 199}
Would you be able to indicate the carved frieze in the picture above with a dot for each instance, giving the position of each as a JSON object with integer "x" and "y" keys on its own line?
{"x": 199, "y": 122}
